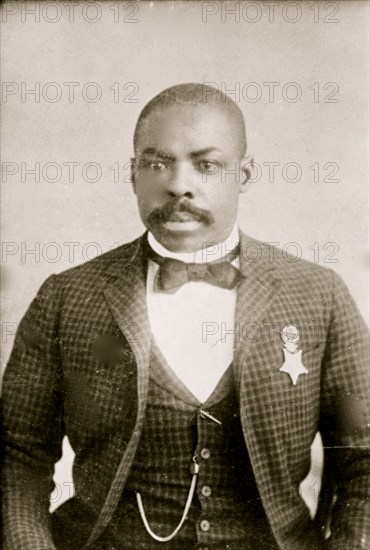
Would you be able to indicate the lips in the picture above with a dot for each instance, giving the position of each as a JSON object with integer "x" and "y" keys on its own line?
{"x": 181, "y": 217}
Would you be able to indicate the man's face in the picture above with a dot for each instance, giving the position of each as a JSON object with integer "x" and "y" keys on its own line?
{"x": 188, "y": 174}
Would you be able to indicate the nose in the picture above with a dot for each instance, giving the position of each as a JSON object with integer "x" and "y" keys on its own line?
{"x": 181, "y": 183}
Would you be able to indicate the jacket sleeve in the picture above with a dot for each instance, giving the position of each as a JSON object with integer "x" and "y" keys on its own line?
{"x": 345, "y": 422}
{"x": 32, "y": 425}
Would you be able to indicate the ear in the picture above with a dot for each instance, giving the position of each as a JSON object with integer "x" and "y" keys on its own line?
{"x": 247, "y": 170}
{"x": 133, "y": 173}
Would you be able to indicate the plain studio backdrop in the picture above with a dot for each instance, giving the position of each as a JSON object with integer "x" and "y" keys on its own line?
{"x": 75, "y": 80}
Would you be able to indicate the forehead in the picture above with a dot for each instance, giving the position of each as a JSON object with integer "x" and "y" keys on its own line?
{"x": 182, "y": 129}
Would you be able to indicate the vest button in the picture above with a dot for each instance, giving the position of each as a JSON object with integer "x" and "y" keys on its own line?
{"x": 206, "y": 491}
{"x": 205, "y": 525}
{"x": 205, "y": 453}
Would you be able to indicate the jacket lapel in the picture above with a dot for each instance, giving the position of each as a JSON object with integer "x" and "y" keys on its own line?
{"x": 125, "y": 292}
{"x": 259, "y": 398}
{"x": 255, "y": 295}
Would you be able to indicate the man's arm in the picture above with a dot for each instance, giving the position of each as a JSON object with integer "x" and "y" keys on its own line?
{"x": 32, "y": 425}
{"x": 345, "y": 422}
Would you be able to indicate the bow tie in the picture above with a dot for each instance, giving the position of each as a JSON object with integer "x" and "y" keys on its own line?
{"x": 173, "y": 274}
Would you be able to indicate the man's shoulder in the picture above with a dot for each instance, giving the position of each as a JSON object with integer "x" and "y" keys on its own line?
{"x": 270, "y": 252}
{"x": 110, "y": 262}
{"x": 286, "y": 262}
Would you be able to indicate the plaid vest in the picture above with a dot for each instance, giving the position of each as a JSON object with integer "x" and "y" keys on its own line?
{"x": 226, "y": 511}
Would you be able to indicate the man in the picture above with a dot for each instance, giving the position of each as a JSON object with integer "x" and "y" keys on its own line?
{"x": 189, "y": 377}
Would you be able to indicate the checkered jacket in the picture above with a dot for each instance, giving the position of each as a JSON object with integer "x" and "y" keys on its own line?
{"x": 80, "y": 367}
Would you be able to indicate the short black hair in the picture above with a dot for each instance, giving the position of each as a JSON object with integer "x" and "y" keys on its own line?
{"x": 196, "y": 94}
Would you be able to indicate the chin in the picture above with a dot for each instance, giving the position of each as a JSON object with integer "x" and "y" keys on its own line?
{"x": 180, "y": 237}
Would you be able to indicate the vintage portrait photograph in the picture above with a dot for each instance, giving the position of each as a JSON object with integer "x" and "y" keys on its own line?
{"x": 185, "y": 275}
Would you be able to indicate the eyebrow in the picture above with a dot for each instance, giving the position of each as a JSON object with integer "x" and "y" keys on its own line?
{"x": 164, "y": 154}
{"x": 203, "y": 152}
{"x": 158, "y": 153}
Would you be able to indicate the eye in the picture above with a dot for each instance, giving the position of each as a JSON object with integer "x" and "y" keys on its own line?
{"x": 154, "y": 165}
{"x": 157, "y": 165}
{"x": 209, "y": 166}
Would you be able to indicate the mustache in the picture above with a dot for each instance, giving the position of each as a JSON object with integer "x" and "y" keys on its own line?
{"x": 163, "y": 214}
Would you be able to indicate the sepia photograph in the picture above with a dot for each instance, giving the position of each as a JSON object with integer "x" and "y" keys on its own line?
{"x": 185, "y": 275}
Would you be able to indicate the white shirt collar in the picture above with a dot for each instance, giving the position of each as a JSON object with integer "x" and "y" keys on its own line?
{"x": 207, "y": 254}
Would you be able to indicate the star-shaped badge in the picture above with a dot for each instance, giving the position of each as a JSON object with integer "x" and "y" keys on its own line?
{"x": 293, "y": 365}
